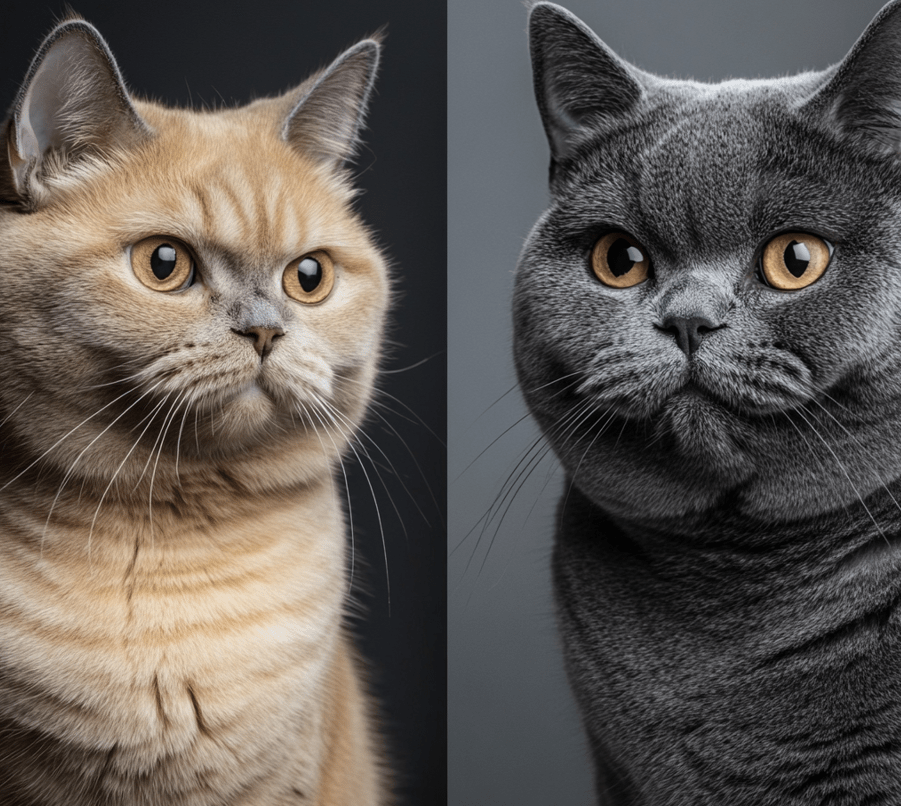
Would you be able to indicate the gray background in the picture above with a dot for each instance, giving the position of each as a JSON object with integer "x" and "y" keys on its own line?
{"x": 514, "y": 734}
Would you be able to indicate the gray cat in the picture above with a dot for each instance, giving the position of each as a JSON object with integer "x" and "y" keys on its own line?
{"x": 708, "y": 329}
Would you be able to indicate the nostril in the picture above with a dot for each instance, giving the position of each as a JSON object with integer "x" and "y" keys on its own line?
{"x": 689, "y": 331}
{"x": 263, "y": 338}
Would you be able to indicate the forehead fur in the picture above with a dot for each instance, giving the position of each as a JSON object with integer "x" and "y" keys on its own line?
{"x": 225, "y": 178}
{"x": 703, "y": 167}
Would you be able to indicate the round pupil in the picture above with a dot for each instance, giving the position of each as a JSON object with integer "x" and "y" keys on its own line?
{"x": 797, "y": 258}
{"x": 622, "y": 256}
{"x": 163, "y": 261}
{"x": 309, "y": 274}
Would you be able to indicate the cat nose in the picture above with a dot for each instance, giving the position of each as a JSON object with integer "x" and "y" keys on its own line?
{"x": 263, "y": 338}
{"x": 689, "y": 331}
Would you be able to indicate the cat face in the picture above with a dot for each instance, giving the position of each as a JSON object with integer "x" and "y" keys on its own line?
{"x": 200, "y": 275}
{"x": 663, "y": 339}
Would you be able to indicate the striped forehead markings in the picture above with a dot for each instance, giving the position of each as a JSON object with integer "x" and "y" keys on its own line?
{"x": 251, "y": 211}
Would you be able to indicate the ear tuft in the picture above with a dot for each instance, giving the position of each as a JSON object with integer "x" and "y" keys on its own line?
{"x": 326, "y": 119}
{"x": 73, "y": 102}
{"x": 581, "y": 86}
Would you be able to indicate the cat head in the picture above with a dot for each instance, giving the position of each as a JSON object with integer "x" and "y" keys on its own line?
{"x": 198, "y": 277}
{"x": 709, "y": 309}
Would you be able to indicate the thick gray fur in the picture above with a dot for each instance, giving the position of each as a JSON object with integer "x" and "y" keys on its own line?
{"x": 728, "y": 554}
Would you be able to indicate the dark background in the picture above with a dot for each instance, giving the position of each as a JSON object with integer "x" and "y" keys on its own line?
{"x": 214, "y": 53}
{"x": 514, "y": 733}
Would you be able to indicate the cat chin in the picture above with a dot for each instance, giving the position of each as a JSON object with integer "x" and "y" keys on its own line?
{"x": 706, "y": 437}
{"x": 245, "y": 416}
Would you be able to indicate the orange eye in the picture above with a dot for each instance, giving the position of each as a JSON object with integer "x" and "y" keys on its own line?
{"x": 794, "y": 260}
{"x": 620, "y": 261}
{"x": 310, "y": 278}
{"x": 162, "y": 263}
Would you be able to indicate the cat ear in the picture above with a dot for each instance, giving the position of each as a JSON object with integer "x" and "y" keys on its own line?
{"x": 861, "y": 99}
{"x": 325, "y": 120}
{"x": 73, "y": 102}
{"x": 580, "y": 84}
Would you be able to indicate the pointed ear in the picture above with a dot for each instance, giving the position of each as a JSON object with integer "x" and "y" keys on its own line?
{"x": 73, "y": 102}
{"x": 861, "y": 100}
{"x": 580, "y": 84}
{"x": 326, "y": 118}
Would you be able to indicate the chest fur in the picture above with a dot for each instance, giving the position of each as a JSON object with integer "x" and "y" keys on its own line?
{"x": 698, "y": 687}
{"x": 192, "y": 663}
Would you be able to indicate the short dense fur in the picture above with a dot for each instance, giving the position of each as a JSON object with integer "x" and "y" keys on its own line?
{"x": 728, "y": 556}
{"x": 172, "y": 541}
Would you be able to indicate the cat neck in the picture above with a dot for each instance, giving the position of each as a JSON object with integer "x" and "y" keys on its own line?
{"x": 768, "y": 589}
{"x": 723, "y": 542}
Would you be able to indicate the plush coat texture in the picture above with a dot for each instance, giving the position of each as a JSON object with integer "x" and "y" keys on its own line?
{"x": 172, "y": 542}
{"x": 727, "y": 561}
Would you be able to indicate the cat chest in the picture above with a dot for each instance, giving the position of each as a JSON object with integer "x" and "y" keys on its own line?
{"x": 176, "y": 659}
{"x": 685, "y": 710}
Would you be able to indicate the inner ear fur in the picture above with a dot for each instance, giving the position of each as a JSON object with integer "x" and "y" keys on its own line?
{"x": 326, "y": 112}
{"x": 581, "y": 86}
{"x": 73, "y": 102}
{"x": 861, "y": 99}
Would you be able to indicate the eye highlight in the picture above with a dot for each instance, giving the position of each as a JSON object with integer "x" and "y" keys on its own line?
{"x": 162, "y": 263}
{"x": 310, "y": 278}
{"x": 618, "y": 260}
{"x": 794, "y": 260}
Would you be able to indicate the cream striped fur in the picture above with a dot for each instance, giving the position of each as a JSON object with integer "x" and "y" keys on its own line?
{"x": 173, "y": 576}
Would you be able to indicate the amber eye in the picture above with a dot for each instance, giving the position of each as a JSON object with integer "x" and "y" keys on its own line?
{"x": 794, "y": 260}
{"x": 163, "y": 264}
{"x": 619, "y": 260}
{"x": 309, "y": 278}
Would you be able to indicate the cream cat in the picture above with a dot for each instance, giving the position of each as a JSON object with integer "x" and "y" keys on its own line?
{"x": 190, "y": 327}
